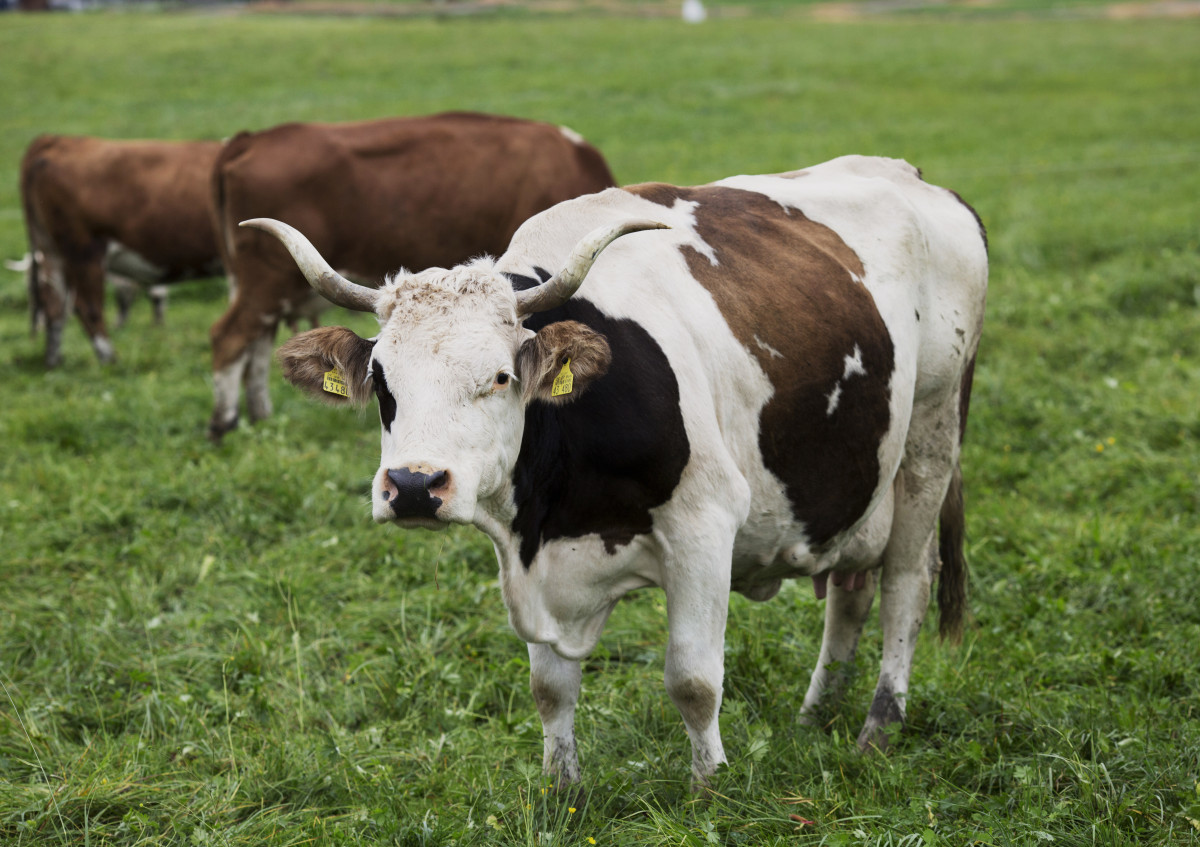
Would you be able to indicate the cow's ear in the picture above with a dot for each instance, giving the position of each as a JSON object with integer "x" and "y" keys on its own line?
{"x": 561, "y": 361}
{"x": 329, "y": 363}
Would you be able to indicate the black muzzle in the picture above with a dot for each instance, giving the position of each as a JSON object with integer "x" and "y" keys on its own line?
{"x": 412, "y": 497}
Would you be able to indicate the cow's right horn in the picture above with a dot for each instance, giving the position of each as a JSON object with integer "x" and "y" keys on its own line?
{"x": 329, "y": 283}
{"x": 562, "y": 286}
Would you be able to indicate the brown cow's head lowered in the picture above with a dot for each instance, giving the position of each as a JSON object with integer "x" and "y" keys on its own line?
{"x": 452, "y": 368}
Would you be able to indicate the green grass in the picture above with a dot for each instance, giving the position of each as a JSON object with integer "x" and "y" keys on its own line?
{"x": 215, "y": 646}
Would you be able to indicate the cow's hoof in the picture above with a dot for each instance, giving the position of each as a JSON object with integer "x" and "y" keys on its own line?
{"x": 877, "y": 739}
{"x": 217, "y": 429}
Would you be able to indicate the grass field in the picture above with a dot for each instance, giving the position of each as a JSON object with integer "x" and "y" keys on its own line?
{"x": 215, "y": 646}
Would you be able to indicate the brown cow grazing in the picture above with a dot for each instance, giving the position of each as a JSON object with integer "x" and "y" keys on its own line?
{"x": 373, "y": 196}
{"x": 90, "y": 202}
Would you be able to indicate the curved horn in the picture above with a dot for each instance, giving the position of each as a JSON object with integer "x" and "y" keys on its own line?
{"x": 560, "y": 287}
{"x": 329, "y": 283}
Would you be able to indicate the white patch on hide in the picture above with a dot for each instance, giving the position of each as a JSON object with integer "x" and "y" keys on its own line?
{"x": 833, "y": 396}
{"x": 854, "y": 364}
{"x": 765, "y": 347}
{"x": 572, "y": 135}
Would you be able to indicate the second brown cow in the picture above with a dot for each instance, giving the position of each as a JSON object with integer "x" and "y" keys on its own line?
{"x": 373, "y": 197}
{"x": 137, "y": 208}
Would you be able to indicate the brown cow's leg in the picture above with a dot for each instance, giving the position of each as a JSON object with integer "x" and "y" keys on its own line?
{"x": 87, "y": 281}
{"x": 51, "y": 303}
{"x": 158, "y": 299}
{"x": 54, "y": 331}
{"x": 232, "y": 338}
{"x": 127, "y": 291}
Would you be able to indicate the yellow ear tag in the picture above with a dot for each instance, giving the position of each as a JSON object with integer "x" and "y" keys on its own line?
{"x": 334, "y": 383}
{"x": 564, "y": 382}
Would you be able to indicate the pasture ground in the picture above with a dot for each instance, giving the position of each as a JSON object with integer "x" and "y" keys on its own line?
{"x": 214, "y": 646}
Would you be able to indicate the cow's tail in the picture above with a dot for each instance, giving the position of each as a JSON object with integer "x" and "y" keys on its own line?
{"x": 952, "y": 581}
{"x": 222, "y": 226}
{"x": 31, "y": 165}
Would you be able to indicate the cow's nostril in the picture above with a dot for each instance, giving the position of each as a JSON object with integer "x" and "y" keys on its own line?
{"x": 414, "y": 494}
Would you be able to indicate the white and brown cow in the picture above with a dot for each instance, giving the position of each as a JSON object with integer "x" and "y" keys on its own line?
{"x": 773, "y": 386}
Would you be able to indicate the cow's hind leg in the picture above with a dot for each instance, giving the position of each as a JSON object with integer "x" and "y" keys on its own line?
{"x": 88, "y": 282}
{"x": 232, "y": 337}
{"x": 910, "y": 562}
{"x": 555, "y": 683}
{"x": 126, "y": 291}
{"x": 845, "y": 613}
{"x": 158, "y": 295}
{"x": 850, "y": 595}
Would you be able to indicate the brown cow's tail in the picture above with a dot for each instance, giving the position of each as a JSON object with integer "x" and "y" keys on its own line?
{"x": 595, "y": 166}
{"x": 230, "y": 150}
{"x": 592, "y": 172}
{"x": 952, "y": 581}
{"x": 31, "y": 165}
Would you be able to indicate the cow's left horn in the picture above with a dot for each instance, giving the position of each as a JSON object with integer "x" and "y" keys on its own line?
{"x": 560, "y": 287}
{"x": 328, "y": 282}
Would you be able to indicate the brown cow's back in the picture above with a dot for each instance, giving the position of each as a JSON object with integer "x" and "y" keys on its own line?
{"x": 415, "y": 192}
{"x": 151, "y": 196}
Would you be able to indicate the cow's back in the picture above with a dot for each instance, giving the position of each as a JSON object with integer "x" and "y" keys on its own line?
{"x": 150, "y": 196}
{"x": 415, "y": 192}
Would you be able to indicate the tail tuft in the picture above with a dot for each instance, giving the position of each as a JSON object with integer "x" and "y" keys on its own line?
{"x": 952, "y": 581}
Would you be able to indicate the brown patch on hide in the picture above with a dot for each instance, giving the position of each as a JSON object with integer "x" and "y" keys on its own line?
{"x": 542, "y": 357}
{"x": 789, "y": 289}
{"x": 306, "y": 357}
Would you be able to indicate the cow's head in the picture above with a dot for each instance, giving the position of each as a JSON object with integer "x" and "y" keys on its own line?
{"x": 452, "y": 369}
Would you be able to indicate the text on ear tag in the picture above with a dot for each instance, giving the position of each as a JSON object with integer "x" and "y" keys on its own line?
{"x": 334, "y": 383}
{"x": 564, "y": 382}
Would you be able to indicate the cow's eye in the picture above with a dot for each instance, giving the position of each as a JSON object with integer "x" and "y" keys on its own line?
{"x": 501, "y": 380}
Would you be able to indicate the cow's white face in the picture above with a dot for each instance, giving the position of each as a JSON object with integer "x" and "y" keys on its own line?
{"x": 452, "y": 371}
{"x": 443, "y": 370}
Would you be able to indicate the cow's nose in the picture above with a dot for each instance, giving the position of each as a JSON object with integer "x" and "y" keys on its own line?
{"x": 413, "y": 494}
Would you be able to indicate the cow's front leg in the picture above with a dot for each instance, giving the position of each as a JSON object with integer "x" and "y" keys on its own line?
{"x": 697, "y": 607}
{"x": 555, "y": 684}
